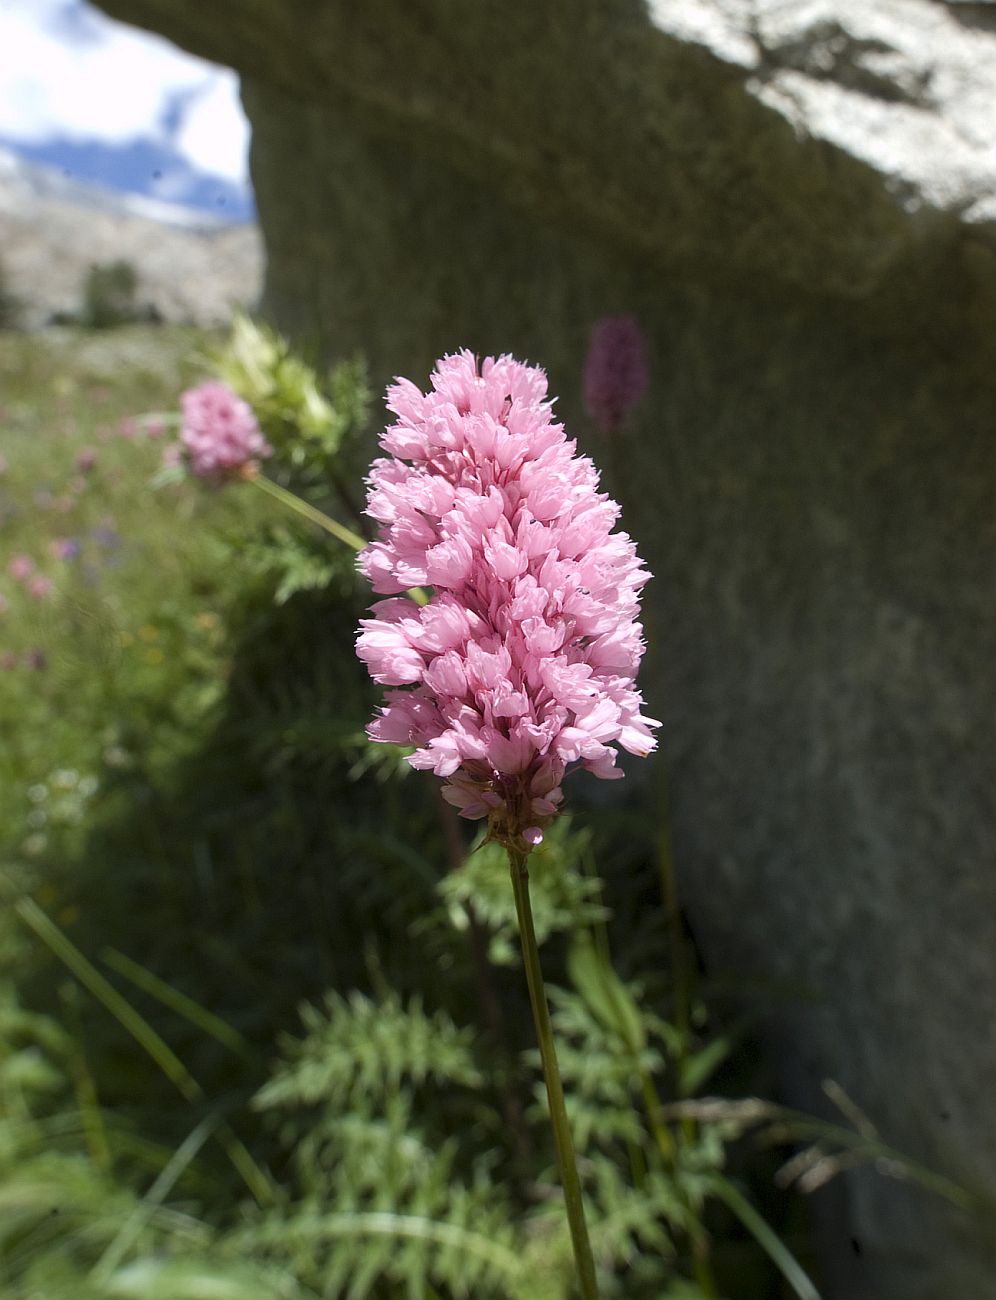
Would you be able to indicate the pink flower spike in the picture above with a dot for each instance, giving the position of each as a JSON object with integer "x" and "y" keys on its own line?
{"x": 615, "y": 372}
{"x": 523, "y": 661}
{"x": 220, "y": 433}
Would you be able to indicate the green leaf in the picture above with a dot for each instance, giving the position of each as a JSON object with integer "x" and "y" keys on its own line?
{"x": 765, "y": 1236}
{"x": 608, "y": 998}
{"x": 179, "y": 1002}
{"x": 357, "y": 1048}
{"x": 697, "y": 1068}
{"x": 193, "y": 1279}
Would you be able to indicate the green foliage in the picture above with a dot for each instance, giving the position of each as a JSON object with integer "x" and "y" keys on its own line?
{"x": 357, "y": 1048}
{"x": 601, "y": 1076}
{"x": 10, "y": 304}
{"x": 563, "y": 896}
{"x": 61, "y": 1208}
{"x": 382, "y": 1205}
{"x": 317, "y": 426}
{"x": 198, "y": 836}
{"x": 309, "y": 419}
{"x": 290, "y": 559}
{"x": 109, "y": 291}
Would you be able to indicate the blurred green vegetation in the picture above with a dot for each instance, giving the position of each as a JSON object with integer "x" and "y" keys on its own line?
{"x": 198, "y": 842}
{"x": 10, "y": 305}
{"x": 109, "y": 295}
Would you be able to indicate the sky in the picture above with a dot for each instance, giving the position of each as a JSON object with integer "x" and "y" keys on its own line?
{"x": 107, "y": 102}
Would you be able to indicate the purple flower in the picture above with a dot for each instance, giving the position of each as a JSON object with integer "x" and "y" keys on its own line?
{"x": 615, "y": 372}
{"x": 523, "y": 662}
{"x": 220, "y": 433}
{"x": 64, "y": 548}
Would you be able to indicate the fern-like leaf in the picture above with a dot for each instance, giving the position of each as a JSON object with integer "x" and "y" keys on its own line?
{"x": 357, "y": 1050}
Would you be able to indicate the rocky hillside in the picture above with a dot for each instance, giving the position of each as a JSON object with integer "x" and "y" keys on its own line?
{"x": 53, "y": 229}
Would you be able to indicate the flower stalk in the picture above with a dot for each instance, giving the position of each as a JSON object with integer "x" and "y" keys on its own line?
{"x": 319, "y": 517}
{"x": 566, "y": 1160}
{"x": 305, "y": 508}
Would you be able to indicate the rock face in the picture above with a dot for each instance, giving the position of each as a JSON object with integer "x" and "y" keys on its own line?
{"x": 796, "y": 200}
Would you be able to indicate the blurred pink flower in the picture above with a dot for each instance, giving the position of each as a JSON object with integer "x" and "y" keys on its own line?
{"x": 615, "y": 372}
{"x": 220, "y": 433}
{"x": 21, "y": 567}
{"x": 523, "y": 662}
{"x": 155, "y": 426}
{"x": 86, "y": 460}
{"x": 127, "y": 426}
{"x": 36, "y": 659}
{"x": 41, "y": 586}
{"x": 8, "y": 661}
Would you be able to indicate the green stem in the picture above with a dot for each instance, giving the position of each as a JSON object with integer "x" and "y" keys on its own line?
{"x": 309, "y": 511}
{"x": 652, "y": 1104}
{"x": 316, "y": 516}
{"x": 566, "y": 1161}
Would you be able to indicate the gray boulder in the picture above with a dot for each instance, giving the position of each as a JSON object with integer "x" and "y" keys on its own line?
{"x": 797, "y": 202}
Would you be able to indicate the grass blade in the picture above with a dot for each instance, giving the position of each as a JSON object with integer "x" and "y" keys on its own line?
{"x": 143, "y": 1033}
{"x": 179, "y": 1002}
{"x": 152, "y": 1200}
{"x": 766, "y": 1238}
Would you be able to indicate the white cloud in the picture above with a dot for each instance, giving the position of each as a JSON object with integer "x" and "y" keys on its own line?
{"x": 213, "y": 132}
{"x": 67, "y": 70}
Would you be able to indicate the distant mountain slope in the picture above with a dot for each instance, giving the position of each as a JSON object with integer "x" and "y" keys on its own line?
{"x": 151, "y": 168}
{"x": 52, "y": 229}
